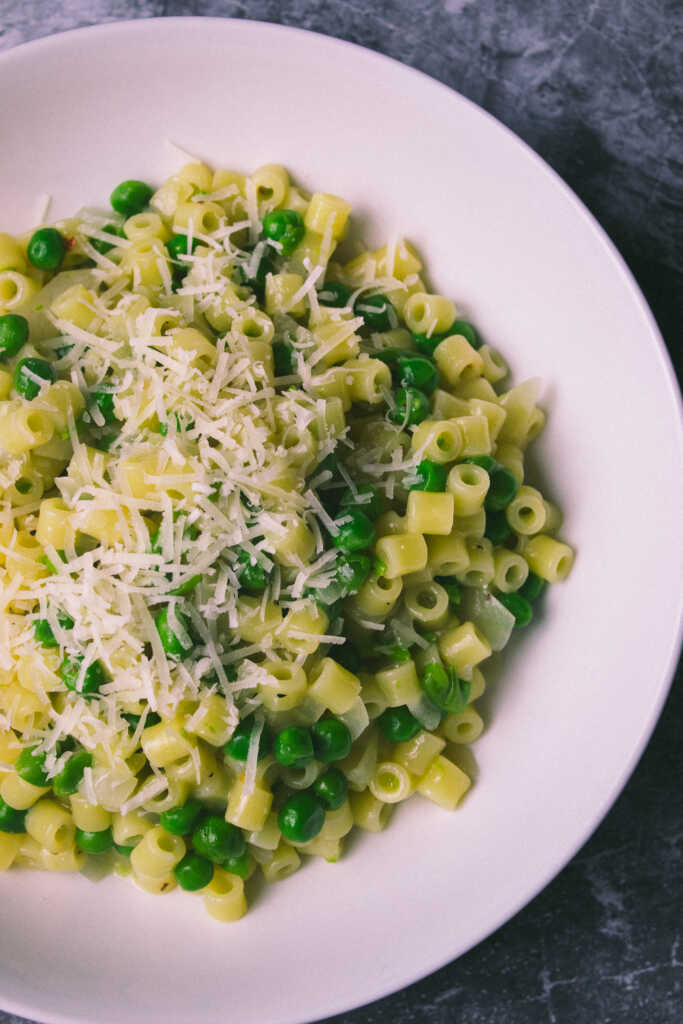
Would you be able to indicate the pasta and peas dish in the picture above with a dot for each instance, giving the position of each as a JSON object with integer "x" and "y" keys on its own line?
{"x": 263, "y": 517}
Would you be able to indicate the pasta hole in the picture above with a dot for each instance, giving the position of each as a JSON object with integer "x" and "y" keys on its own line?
{"x": 426, "y": 599}
{"x": 62, "y": 833}
{"x": 165, "y": 843}
{"x": 23, "y": 485}
{"x": 474, "y": 578}
{"x": 383, "y": 583}
{"x": 444, "y": 442}
{"x": 209, "y": 221}
{"x": 419, "y": 311}
{"x": 469, "y": 477}
{"x": 525, "y": 513}
{"x": 563, "y": 566}
{"x": 8, "y": 290}
{"x": 464, "y": 729}
{"x": 175, "y": 495}
{"x": 264, "y": 192}
{"x": 34, "y": 422}
{"x": 388, "y": 780}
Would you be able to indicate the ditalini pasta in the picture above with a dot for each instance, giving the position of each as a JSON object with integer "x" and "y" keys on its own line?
{"x": 264, "y": 517}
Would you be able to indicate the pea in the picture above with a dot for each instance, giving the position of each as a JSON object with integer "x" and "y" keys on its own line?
{"x": 125, "y": 851}
{"x": 256, "y": 279}
{"x": 503, "y": 486}
{"x": 302, "y": 817}
{"x": 13, "y": 334}
{"x": 11, "y": 820}
{"x": 398, "y": 724}
{"x": 331, "y": 740}
{"x": 43, "y": 631}
{"x": 356, "y": 531}
{"x": 216, "y": 839}
{"x": 334, "y": 293}
{"x": 131, "y": 197}
{"x": 409, "y": 407}
{"x": 180, "y": 820}
{"x": 251, "y": 575}
{"x": 519, "y": 607}
{"x": 533, "y": 587}
{"x": 426, "y": 344}
{"x": 390, "y": 356}
{"x": 293, "y": 747}
{"x": 152, "y": 719}
{"x": 46, "y": 249}
{"x": 431, "y": 476}
{"x": 445, "y": 689}
{"x": 104, "y": 402}
{"x": 465, "y": 328}
{"x": 240, "y": 865}
{"x": 25, "y": 373}
{"x": 400, "y": 654}
{"x": 175, "y": 646}
{"x": 366, "y": 499}
{"x": 497, "y": 528}
{"x": 377, "y": 311}
{"x": 352, "y": 570}
{"x": 285, "y": 227}
{"x": 417, "y": 372}
{"x": 66, "y": 783}
{"x": 331, "y": 788}
{"x": 452, "y": 588}
{"x": 283, "y": 359}
{"x": 187, "y": 587}
{"x": 193, "y": 872}
{"x": 101, "y": 245}
{"x": 94, "y": 678}
{"x": 237, "y": 746}
{"x": 30, "y": 767}
{"x": 94, "y": 842}
{"x": 180, "y": 245}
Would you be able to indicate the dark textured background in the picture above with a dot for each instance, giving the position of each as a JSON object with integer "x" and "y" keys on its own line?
{"x": 595, "y": 87}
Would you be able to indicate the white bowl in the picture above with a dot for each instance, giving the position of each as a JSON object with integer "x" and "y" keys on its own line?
{"x": 579, "y": 692}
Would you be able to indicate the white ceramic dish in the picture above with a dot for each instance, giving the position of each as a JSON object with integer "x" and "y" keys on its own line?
{"x": 580, "y": 692}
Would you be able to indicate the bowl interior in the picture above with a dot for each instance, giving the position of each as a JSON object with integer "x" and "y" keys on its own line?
{"x": 576, "y": 695}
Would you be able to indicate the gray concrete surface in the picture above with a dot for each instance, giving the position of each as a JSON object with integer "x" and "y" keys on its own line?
{"x": 596, "y": 88}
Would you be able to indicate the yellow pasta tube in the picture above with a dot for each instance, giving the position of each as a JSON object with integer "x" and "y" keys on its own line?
{"x": 402, "y": 553}
{"x": 549, "y": 558}
{"x": 224, "y": 897}
{"x": 444, "y": 783}
{"x": 51, "y": 825}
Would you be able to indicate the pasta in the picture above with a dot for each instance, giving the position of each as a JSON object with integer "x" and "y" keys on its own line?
{"x": 263, "y": 516}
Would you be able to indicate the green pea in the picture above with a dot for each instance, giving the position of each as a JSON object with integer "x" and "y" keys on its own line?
{"x": 180, "y": 245}
{"x": 366, "y": 499}
{"x": 237, "y": 746}
{"x": 533, "y": 587}
{"x": 497, "y": 528}
{"x": 293, "y": 747}
{"x": 94, "y": 842}
{"x": 409, "y": 407}
{"x": 431, "y": 476}
{"x": 125, "y": 851}
{"x": 283, "y": 359}
{"x": 66, "y": 783}
{"x": 427, "y": 344}
{"x": 240, "y": 865}
{"x": 46, "y": 249}
{"x": 334, "y": 293}
{"x": 285, "y": 227}
{"x": 30, "y": 767}
{"x": 187, "y": 587}
{"x": 330, "y": 464}
{"x": 131, "y": 197}
{"x": 452, "y": 588}
{"x": 180, "y": 820}
{"x": 503, "y": 485}
{"x": 445, "y": 689}
{"x": 176, "y": 646}
{"x": 519, "y": 607}
{"x": 417, "y": 372}
{"x": 400, "y": 654}
{"x": 94, "y": 678}
{"x": 42, "y": 629}
{"x": 11, "y": 820}
{"x": 25, "y": 373}
{"x": 101, "y": 245}
{"x": 465, "y": 328}
{"x": 331, "y": 788}
{"x": 193, "y": 872}
{"x": 217, "y": 839}
{"x": 302, "y": 817}
{"x": 331, "y": 740}
{"x": 348, "y": 657}
{"x": 256, "y": 279}
{"x": 398, "y": 724}
{"x": 104, "y": 401}
{"x": 352, "y": 569}
{"x": 251, "y": 575}
{"x": 356, "y": 531}
{"x": 390, "y": 356}
{"x": 133, "y": 720}
{"x": 13, "y": 334}
{"x": 377, "y": 311}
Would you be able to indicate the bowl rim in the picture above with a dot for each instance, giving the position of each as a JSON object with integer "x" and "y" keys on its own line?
{"x": 382, "y": 61}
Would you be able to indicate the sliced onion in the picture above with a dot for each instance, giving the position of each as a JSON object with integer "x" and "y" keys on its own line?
{"x": 356, "y": 718}
{"x": 489, "y": 616}
{"x": 427, "y": 715}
